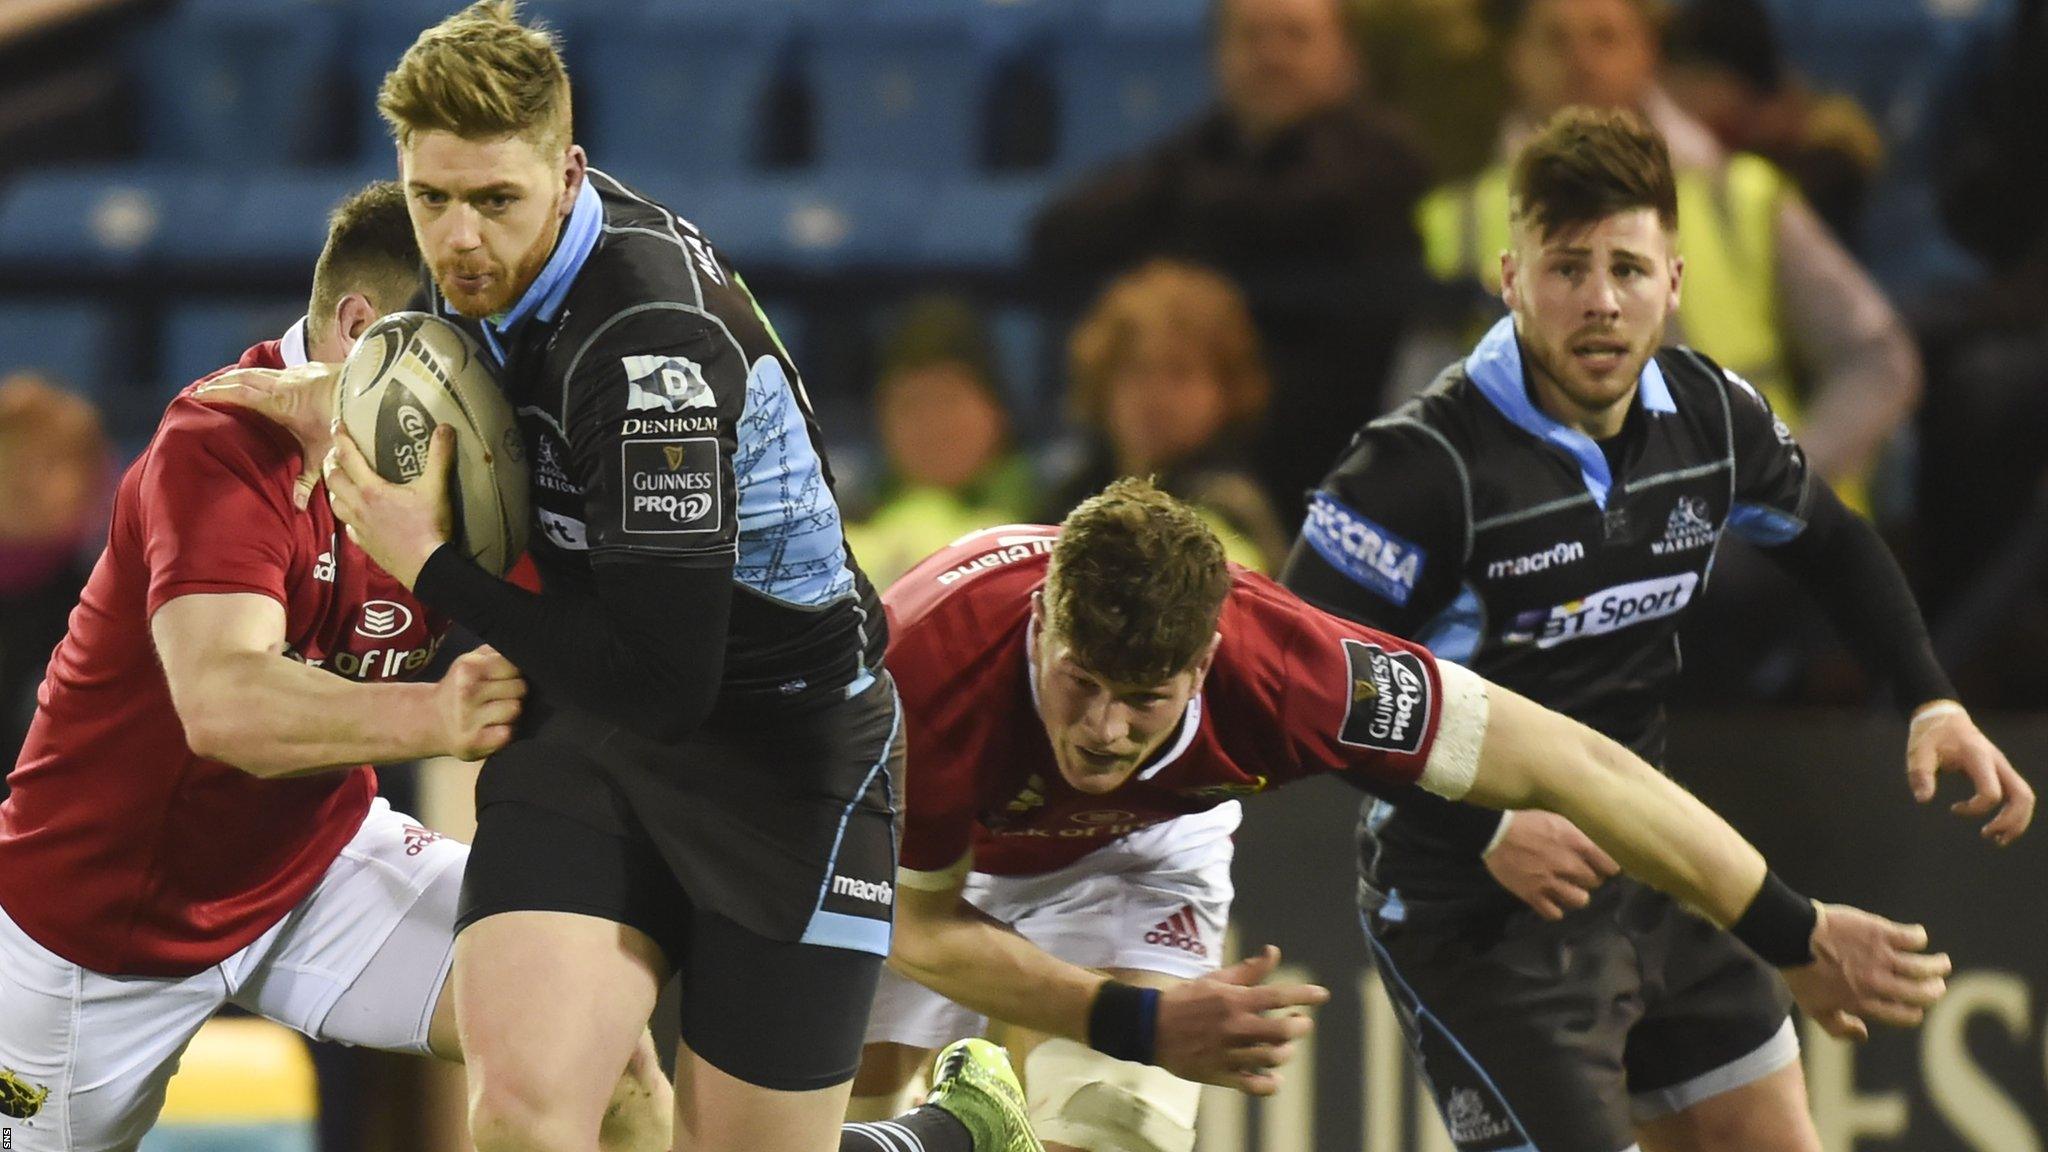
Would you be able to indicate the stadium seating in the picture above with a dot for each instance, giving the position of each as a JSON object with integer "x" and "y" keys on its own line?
{"x": 1128, "y": 77}
{"x": 75, "y": 344}
{"x": 897, "y": 91}
{"x": 243, "y": 82}
{"x": 684, "y": 85}
{"x": 106, "y": 220}
{"x": 980, "y": 224}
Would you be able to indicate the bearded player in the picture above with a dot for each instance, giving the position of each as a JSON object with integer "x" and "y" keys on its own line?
{"x": 190, "y": 823}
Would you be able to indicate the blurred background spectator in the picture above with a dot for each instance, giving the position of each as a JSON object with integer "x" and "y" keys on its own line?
{"x": 1726, "y": 69}
{"x": 1768, "y": 293}
{"x": 56, "y": 480}
{"x": 1169, "y": 379}
{"x": 1297, "y": 187}
{"x": 1983, "y": 493}
{"x": 949, "y": 465}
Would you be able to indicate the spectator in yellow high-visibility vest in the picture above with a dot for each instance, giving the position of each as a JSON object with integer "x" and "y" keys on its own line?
{"x": 1768, "y": 291}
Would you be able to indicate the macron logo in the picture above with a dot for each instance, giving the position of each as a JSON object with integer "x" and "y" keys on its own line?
{"x": 872, "y": 891}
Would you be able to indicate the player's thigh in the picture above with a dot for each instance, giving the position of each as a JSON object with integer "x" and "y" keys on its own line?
{"x": 772, "y": 1033}
{"x": 719, "y": 1112}
{"x": 786, "y": 1016}
{"x": 1765, "y": 1115}
{"x": 1716, "y": 1022}
{"x": 85, "y": 1058}
{"x": 564, "y": 939}
{"x": 1519, "y": 1024}
{"x": 364, "y": 959}
{"x": 549, "y": 1007}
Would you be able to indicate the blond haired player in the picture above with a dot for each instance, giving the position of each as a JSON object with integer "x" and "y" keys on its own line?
{"x": 190, "y": 823}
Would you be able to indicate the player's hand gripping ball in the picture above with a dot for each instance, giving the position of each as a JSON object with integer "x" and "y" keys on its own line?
{"x": 410, "y": 372}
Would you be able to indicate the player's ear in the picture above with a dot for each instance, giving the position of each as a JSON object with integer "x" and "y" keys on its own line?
{"x": 1510, "y": 280}
{"x": 353, "y": 314}
{"x": 1677, "y": 279}
{"x": 575, "y": 169}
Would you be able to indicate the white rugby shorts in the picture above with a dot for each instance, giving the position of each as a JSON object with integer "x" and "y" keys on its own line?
{"x": 1156, "y": 901}
{"x": 361, "y": 960}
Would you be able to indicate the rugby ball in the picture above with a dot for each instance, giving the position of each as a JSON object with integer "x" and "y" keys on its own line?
{"x": 411, "y": 371}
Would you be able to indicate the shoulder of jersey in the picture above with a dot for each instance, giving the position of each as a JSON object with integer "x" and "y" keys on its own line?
{"x": 191, "y": 424}
{"x": 981, "y": 568}
{"x": 1691, "y": 372}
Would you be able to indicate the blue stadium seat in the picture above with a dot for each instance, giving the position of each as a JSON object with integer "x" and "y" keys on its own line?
{"x": 240, "y": 81}
{"x": 817, "y": 225}
{"x": 899, "y": 92}
{"x": 275, "y": 220}
{"x": 200, "y": 338}
{"x": 75, "y": 344}
{"x": 982, "y": 224}
{"x": 1130, "y": 77}
{"x": 104, "y": 219}
{"x": 682, "y": 83}
{"x": 998, "y": 24}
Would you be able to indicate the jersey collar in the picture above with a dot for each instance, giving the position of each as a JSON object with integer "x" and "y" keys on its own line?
{"x": 1495, "y": 366}
{"x": 291, "y": 347}
{"x": 543, "y": 298}
{"x": 1190, "y": 719}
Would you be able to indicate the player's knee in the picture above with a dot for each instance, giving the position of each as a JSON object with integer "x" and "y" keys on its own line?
{"x": 507, "y": 1121}
{"x": 1082, "y": 1098}
{"x": 887, "y": 1079}
{"x": 640, "y": 1116}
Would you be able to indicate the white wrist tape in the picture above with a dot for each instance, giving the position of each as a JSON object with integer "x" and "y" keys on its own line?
{"x": 1500, "y": 833}
{"x": 1460, "y": 732}
{"x": 1935, "y": 711}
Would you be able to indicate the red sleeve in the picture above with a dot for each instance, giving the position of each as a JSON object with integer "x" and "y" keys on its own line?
{"x": 214, "y": 517}
{"x": 1361, "y": 701}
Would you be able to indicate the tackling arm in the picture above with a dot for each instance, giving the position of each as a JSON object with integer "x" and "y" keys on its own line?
{"x": 1212, "y": 1030}
{"x": 244, "y": 702}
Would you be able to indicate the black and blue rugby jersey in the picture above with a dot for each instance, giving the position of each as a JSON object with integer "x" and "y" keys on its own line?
{"x": 1552, "y": 564}
{"x": 664, "y": 422}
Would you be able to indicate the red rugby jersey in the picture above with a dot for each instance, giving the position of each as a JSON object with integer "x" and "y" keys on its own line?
{"x": 1293, "y": 693}
{"x": 122, "y": 851}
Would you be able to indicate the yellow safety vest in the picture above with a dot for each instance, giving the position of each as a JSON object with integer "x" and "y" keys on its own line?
{"x": 1727, "y": 232}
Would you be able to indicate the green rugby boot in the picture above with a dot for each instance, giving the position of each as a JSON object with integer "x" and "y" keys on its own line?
{"x": 974, "y": 1082}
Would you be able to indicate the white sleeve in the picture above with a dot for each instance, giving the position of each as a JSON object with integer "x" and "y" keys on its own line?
{"x": 1460, "y": 733}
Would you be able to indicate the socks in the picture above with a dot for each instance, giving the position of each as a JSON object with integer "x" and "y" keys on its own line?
{"x": 926, "y": 1129}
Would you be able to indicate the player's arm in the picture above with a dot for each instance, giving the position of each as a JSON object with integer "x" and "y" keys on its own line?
{"x": 1837, "y": 555}
{"x": 1385, "y": 538}
{"x": 644, "y": 647}
{"x": 1211, "y": 1030}
{"x": 245, "y": 703}
{"x": 1499, "y": 749}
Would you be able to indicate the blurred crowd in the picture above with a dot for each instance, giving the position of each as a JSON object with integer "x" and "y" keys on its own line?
{"x": 1232, "y": 302}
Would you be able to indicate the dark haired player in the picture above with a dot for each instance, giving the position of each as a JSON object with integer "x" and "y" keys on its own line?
{"x": 1084, "y": 705}
{"x": 1545, "y": 513}
{"x": 190, "y": 822}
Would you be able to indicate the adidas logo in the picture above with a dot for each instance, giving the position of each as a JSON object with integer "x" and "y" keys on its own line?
{"x": 1180, "y": 930}
{"x": 417, "y": 839}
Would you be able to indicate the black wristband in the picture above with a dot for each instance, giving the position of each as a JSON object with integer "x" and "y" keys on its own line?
{"x": 1123, "y": 1021}
{"x": 1778, "y": 925}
